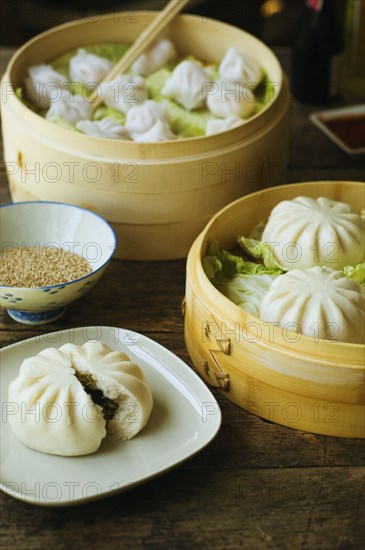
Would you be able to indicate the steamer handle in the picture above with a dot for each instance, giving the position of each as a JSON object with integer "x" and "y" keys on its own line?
{"x": 224, "y": 344}
{"x": 222, "y": 378}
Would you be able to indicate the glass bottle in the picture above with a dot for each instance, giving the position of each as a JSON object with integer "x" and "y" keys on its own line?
{"x": 316, "y": 53}
{"x": 354, "y": 66}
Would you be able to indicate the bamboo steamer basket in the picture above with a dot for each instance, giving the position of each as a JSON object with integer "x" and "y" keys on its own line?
{"x": 157, "y": 196}
{"x": 296, "y": 381}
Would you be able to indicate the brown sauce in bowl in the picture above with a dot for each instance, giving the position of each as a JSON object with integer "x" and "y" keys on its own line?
{"x": 350, "y": 129}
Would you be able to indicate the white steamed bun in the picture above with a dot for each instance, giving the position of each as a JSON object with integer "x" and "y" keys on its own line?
{"x": 318, "y": 302}
{"x": 75, "y": 395}
{"x": 305, "y": 232}
{"x": 62, "y": 418}
{"x": 119, "y": 380}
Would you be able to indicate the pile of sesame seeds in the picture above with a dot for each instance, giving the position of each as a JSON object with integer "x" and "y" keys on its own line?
{"x": 30, "y": 267}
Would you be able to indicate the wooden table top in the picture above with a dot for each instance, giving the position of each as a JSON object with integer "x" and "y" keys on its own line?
{"x": 258, "y": 484}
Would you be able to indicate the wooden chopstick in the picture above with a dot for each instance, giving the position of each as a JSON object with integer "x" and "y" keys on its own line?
{"x": 145, "y": 38}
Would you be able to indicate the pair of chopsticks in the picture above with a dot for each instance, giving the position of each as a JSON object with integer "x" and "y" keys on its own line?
{"x": 145, "y": 38}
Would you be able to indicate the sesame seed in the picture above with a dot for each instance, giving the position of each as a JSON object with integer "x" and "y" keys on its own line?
{"x": 41, "y": 266}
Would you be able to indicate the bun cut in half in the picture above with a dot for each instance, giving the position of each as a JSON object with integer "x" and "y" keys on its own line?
{"x": 114, "y": 382}
{"x": 66, "y": 400}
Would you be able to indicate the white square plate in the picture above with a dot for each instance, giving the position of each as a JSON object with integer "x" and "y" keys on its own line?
{"x": 319, "y": 119}
{"x": 184, "y": 419}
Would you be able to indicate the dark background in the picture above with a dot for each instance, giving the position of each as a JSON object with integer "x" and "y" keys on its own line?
{"x": 273, "y": 21}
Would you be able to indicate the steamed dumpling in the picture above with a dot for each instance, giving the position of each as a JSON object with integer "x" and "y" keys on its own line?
{"x": 43, "y": 85}
{"x": 65, "y": 420}
{"x": 148, "y": 122}
{"x": 305, "y": 232}
{"x": 230, "y": 98}
{"x": 154, "y": 58}
{"x": 215, "y": 125}
{"x": 106, "y": 128}
{"x": 120, "y": 381}
{"x": 237, "y": 67}
{"x": 318, "y": 302}
{"x": 187, "y": 85}
{"x": 125, "y": 92}
{"x": 88, "y": 68}
{"x": 71, "y": 108}
{"x": 160, "y": 131}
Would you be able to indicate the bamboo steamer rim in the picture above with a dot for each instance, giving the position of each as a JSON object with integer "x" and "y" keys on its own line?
{"x": 149, "y": 153}
{"x": 354, "y": 353}
{"x": 167, "y": 148}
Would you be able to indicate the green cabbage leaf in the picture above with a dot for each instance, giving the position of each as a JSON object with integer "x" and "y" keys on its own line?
{"x": 243, "y": 282}
{"x": 357, "y": 273}
{"x": 255, "y": 248}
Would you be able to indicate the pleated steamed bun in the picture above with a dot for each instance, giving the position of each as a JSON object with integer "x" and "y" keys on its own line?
{"x": 55, "y": 415}
{"x": 123, "y": 390}
{"x": 318, "y": 302}
{"x": 305, "y": 232}
{"x": 67, "y": 399}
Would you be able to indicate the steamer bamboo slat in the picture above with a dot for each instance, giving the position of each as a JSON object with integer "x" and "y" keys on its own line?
{"x": 158, "y": 196}
{"x": 255, "y": 365}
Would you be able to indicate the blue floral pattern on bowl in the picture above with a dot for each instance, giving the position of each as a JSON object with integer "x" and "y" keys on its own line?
{"x": 36, "y": 318}
{"x": 39, "y": 219}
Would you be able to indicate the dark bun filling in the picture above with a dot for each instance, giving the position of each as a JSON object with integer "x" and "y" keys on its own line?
{"x": 109, "y": 406}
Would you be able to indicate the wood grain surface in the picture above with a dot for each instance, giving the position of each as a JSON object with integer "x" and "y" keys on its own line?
{"x": 258, "y": 484}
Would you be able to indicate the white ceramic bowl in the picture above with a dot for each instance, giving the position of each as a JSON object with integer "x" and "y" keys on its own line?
{"x": 29, "y": 224}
